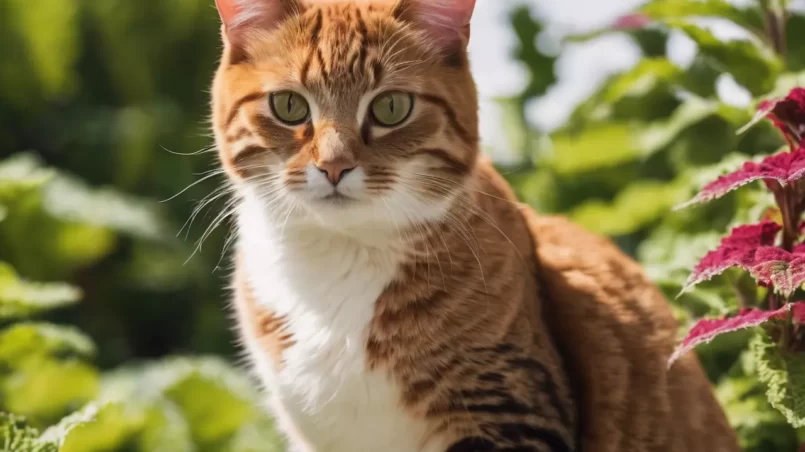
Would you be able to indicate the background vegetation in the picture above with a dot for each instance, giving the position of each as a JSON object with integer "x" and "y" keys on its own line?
{"x": 102, "y": 117}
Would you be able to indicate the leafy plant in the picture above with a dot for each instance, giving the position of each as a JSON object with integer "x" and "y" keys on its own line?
{"x": 774, "y": 256}
{"x": 61, "y": 402}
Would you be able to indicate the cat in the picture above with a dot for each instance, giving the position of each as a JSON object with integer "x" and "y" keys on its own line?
{"x": 391, "y": 292}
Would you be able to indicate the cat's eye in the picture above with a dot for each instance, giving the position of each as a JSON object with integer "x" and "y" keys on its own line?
{"x": 392, "y": 108}
{"x": 289, "y": 107}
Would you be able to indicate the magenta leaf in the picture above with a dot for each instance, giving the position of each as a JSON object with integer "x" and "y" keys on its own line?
{"x": 787, "y": 114}
{"x": 706, "y": 330}
{"x": 785, "y": 168}
{"x": 634, "y": 21}
{"x": 735, "y": 249}
{"x": 775, "y": 266}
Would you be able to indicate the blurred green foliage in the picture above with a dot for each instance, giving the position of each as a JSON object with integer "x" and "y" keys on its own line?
{"x": 102, "y": 117}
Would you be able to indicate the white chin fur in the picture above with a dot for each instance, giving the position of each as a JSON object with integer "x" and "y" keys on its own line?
{"x": 360, "y": 215}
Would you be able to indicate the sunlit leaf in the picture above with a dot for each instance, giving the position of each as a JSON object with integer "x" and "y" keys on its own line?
{"x": 641, "y": 203}
{"x": 47, "y": 390}
{"x": 783, "y": 373}
{"x": 17, "y": 436}
{"x": 69, "y": 199}
{"x": 597, "y": 147}
{"x": 19, "y": 298}
{"x": 664, "y": 10}
{"x": 752, "y": 66}
{"x": 22, "y": 341}
{"x": 635, "y": 84}
{"x": 777, "y": 267}
{"x": 760, "y": 427}
{"x": 706, "y": 330}
{"x": 734, "y": 250}
{"x": 784, "y": 168}
{"x": 219, "y": 406}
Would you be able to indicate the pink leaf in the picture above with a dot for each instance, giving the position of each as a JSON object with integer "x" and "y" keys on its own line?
{"x": 708, "y": 329}
{"x": 788, "y": 114}
{"x": 785, "y": 168}
{"x": 736, "y": 248}
{"x": 632, "y": 22}
{"x": 775, "y": 266}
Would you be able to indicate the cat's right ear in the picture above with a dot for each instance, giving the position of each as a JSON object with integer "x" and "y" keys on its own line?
{"x": 242, "y": 16}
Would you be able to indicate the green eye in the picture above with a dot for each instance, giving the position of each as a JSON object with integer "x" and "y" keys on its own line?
{"x": 391, "y": 109}
{"x": 289, "y": 107}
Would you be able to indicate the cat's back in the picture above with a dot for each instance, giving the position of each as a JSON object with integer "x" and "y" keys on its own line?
{"x": 616, "y": 331}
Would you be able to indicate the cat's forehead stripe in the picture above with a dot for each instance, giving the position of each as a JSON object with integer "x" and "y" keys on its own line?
{"x": 343, "y": 44}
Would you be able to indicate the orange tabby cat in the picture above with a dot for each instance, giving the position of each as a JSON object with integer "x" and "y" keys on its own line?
{"x": 391, "y": 293}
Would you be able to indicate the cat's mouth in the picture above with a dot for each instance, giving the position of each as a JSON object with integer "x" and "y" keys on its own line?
{"x": 338, "y": 197}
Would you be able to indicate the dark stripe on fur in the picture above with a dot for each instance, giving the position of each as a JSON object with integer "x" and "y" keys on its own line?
{"x": 233, "y": 113}
{"x": 452, "y": 118}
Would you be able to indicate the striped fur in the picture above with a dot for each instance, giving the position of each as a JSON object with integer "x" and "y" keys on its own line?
{"x": 415, "y": 305}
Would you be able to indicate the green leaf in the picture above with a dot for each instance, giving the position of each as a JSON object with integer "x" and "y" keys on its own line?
{"x": 637, "y": 206}
{"x": 664, "y": 10}
{"x": 100, "y": 428}
{"x": 44, "y": 375}
{"x": 753, "y": 66}
{"x": 598, "y": 146}
{"x": 540, "y": 66}
{"x": 19, "y": 298}
{"x": 218, "y": 408}
{"x": 658, "y": 135}
{"x": 634, "y": 86}
{"x": 783, "y": 373}
{"x": 50, "y": 389}
{"x": 17, "y": 436}
{"x": 58, "y": 433}
{"x": 69, "y": 199}
{"x": 24, "y": 341}
{"x": 759, "y": 426}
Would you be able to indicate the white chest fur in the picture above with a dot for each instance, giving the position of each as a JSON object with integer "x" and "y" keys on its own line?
{"x": 325, "y": 285}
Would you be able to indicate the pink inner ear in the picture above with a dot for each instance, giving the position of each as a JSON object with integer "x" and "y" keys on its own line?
{"x": 228, "y": 9}
{"x": 447, "y": 20}
{"x": 260, "y": 13}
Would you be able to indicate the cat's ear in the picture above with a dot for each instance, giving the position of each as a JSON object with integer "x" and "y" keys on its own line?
{"x": 239, "y": 15}
{"x": 242, "y": 16}
{"x": 447, "y": 21}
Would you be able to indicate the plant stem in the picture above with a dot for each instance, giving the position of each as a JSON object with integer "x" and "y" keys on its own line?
{"x": 774, "y": 301}
{"x": 776, "y": 19}
{"x": 791, "y": 212}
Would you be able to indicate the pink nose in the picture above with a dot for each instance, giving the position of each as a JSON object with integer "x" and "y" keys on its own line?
{"x": 336, "y": 170}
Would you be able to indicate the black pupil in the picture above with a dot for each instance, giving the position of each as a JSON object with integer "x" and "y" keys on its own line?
{"x": 391, "y": 105}
{"x": 290, "y": 103}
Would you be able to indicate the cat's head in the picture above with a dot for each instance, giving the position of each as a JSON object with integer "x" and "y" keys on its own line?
{"x": 347, "y": 113}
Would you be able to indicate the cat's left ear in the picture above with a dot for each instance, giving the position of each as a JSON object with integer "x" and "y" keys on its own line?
{"x": 238, "y": 15}
{"x": 447, "y": 21}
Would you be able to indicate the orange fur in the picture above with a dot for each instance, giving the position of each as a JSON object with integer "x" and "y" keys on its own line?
{"x": 500, "y": 330}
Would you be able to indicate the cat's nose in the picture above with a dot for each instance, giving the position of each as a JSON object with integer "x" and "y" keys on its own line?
{"x": 335, "y": 170}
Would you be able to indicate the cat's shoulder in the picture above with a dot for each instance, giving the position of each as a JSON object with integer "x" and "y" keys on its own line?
{"x": 586, "y": 273}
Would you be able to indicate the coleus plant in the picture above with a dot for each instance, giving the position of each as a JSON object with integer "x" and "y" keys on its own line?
{"x": 772, "y": 252}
